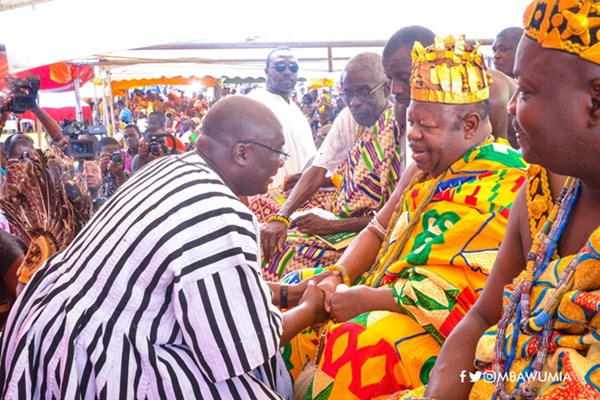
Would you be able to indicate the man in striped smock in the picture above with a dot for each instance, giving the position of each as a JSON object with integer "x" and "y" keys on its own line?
{"x": 161, "y": 294}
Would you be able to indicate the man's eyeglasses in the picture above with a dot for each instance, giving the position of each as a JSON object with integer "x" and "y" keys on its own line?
{"x": 293, "y": 67}
{"x": 362, "y": 94}
{"x": 282, "y": 154}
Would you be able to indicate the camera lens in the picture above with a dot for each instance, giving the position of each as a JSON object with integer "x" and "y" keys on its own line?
{"x": 116, "y": 158}
{"x": 154, "y": 149}
{"x": 78, "y": 148}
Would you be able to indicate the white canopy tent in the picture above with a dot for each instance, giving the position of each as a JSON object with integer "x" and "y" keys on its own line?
{"x": 230, "y": 38}
{"x": 150, "y": 39}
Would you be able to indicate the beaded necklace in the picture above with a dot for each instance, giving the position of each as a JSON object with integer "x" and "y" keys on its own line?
{"x": 538, "y": 259}
{"x": 539, "y": 198}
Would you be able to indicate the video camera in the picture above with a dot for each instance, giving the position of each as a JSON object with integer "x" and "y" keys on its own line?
{"x": 23, "y": 93}
{"x": 82, "y": 148}
{"x": 155, "y": 145}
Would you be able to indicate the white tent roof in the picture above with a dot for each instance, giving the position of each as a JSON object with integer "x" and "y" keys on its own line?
{"x": 59, "y": 100}
{"x": 230, "y": 38}
{"x": 228, "y": 62}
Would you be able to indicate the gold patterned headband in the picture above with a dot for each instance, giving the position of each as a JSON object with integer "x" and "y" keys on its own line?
{"x": 449, "y": 71}
{"x": 568, "y": 25}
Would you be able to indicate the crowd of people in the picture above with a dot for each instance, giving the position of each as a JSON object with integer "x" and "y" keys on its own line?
{"x": 432, "y": 231}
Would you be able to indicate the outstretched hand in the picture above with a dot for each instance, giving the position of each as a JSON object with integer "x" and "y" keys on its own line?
{"x": 272, "y": 238}
{"x": 315, "y": 225}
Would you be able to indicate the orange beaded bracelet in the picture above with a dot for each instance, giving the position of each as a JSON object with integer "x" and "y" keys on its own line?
{"x": 281, "y": 218}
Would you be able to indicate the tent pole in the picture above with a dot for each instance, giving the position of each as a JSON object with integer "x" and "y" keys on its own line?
{"x": 218, "y": 89}
{"x": 78, "y": 110}
{"x": 95, "y": 115}
{"x": 110, "y": 103}
{"x": 105, "y": 106}
{"x": 104, "y": 114}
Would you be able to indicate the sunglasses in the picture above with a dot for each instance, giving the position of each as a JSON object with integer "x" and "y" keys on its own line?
{"x": 293, "y": 67}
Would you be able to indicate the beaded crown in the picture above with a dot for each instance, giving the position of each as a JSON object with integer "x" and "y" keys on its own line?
{"x": 449, "y": 71}
{"x": 568, "y": 25}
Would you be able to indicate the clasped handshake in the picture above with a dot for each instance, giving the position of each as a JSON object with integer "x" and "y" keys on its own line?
{"x": 330, "y": 298}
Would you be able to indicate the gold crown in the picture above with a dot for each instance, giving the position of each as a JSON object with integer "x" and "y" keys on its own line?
{"x": 569, "y": 25}
{"x": 449, "y": 71}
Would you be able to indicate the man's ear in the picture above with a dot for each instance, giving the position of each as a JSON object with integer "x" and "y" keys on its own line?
{"x": 594, "y": 115}
{"x": 240, "y": 154}
{"x": 471, "y": 123}
{"x": 386, "y": 89}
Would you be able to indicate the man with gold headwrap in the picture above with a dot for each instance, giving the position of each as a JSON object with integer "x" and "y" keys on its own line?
{"x": 414, "y": 281}
{"x": 534, "y": 332}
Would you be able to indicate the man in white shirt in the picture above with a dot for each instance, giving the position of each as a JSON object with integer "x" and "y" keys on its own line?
{"x": 282, "y": 75}
{"x": 340, "y": 139}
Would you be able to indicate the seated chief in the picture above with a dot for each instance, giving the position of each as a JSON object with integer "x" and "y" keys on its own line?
{"x": 421, "y": 263}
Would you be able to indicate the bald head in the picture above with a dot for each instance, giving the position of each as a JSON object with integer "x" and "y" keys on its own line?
{"x": 406, "y": 37}
{"x": 513, "y": 33}
{"x": 243, "y": 141}
{"x": 367, "y": 62}
{"x": 397, "y": 62}
{"x": 237, "y": 118}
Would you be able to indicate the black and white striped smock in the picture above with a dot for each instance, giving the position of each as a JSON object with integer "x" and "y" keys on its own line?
{"x": 160, "y": 296}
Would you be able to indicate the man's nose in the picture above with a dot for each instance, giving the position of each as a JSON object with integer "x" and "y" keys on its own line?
{"x": 511, "y": 107}
{"x": 412, "y": 133}
{"x": 396, "y": 86}
{"x": 354, "y": 102}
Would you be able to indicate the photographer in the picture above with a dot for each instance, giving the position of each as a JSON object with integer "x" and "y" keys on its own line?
{"x": 131, "y": 136}
{"x": 111, "y": 166}
{"x": 149, "y": 151}
{"x": 17, "y": 145}
{"x": 23, "y": 97}
{"x": 156, "y": 124}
